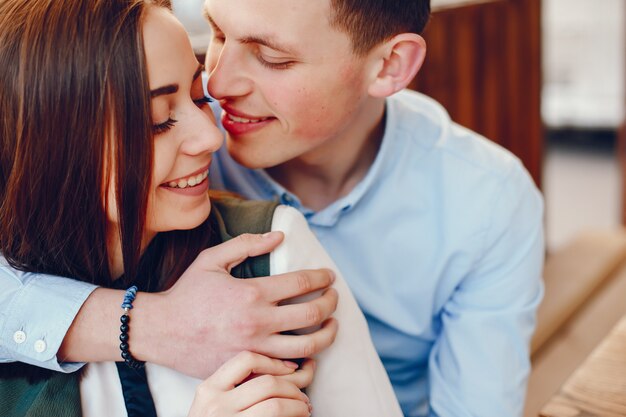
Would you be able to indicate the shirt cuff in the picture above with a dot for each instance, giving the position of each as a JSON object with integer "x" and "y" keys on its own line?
{"x": 37, "y": 319}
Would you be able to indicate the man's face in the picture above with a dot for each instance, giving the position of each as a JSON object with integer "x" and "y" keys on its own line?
{"x": 289, "y": 84}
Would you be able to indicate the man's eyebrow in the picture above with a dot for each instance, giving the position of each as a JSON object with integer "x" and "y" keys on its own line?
{"x": 207, "y": 16}
{"x": 173, "y": 88}
{"x": 269, "y": 42}
{"x": 260, "y": 40}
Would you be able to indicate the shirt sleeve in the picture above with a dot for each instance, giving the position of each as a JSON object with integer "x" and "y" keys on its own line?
{"x": 350, "y": 379}
{"x": 36, "y": 312}
{"x": 480, "y": 362}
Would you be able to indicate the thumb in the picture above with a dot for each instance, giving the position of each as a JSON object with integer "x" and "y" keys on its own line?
{"x": 245, "y": 364}
{"x": 227, "y": 255}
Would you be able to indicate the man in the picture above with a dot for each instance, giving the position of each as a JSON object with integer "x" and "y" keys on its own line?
{"x": 437, "y": 231}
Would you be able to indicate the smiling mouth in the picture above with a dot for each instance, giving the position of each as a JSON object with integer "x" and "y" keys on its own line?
{"x": 238, "y": 119}
{"x": 189, "y": 182}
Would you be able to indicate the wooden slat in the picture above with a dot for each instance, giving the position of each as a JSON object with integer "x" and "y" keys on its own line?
{"x": 598, "y": 387}
{"x": 573, "y": 274}
{"x": 559, "y": 357}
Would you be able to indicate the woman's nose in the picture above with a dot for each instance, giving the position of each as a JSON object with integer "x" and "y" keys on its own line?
{"x": 203, "y": 135}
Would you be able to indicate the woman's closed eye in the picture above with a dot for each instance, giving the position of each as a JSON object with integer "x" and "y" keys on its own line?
{"x": 201, "y": 102}
{"x": 163, "y": 127}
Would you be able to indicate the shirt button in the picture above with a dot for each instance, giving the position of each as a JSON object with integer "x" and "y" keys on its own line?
{"x": 19, "y": 337}
{"x": 40, "y": 346}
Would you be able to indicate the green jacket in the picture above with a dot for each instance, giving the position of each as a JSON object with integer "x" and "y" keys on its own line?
{"x": 57, "y": 394}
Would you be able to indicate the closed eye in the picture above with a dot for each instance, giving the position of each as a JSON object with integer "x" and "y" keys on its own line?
{"x": 201, "y": 102}
{"x": 163, "y": 127}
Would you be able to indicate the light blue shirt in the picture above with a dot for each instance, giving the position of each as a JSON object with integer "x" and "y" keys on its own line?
{"x": 441, "y": 243}
{"x": 35, "y": 313}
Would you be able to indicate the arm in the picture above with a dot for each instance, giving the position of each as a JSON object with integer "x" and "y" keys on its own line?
{"x": 480, "y": 362}
{"x": 350, "y": 378}
{"x": 223, "y": 315}
{"x": 30, "y": 330}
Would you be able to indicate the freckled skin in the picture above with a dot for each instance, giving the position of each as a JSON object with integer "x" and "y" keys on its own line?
{"x": 318, "y": 102}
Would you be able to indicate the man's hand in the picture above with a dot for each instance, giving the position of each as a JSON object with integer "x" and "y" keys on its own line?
{"x": 208, "y": 316}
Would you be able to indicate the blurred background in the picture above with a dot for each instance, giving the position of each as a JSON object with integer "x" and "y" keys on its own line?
{"x": 545, "y": 79}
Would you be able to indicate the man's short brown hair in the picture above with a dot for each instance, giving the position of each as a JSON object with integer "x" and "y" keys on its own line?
{"x": 369, "y": 22}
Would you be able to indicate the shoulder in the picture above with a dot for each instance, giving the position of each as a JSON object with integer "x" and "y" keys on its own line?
{"x": 423, "y": 121}
{"x": 238, "y": 216}
{"x": 450, "y": 156}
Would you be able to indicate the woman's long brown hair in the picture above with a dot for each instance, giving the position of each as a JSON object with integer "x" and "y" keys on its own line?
{"x": 74, "y": 107}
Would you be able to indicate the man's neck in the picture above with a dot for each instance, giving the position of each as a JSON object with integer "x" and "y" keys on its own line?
{"x": 332, "y": 170}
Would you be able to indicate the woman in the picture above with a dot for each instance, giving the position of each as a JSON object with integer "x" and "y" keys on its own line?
{"x": 106, "y": 138}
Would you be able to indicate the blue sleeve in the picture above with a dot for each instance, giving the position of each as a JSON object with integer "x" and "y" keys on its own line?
{"x": 480, "y": 363}
{"x": 36, "y": 312}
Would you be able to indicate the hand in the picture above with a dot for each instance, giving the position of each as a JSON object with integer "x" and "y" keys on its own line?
{"x": 208, "y": 316}
{"x": 253, "y": 385}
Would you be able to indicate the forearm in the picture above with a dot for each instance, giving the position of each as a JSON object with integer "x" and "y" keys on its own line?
{"x": 94, "y": 334}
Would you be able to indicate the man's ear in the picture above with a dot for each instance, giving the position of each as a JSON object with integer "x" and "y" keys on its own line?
{"x": 399, "y": 60}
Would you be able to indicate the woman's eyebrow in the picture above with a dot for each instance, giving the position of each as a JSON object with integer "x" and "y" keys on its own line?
{"x": 198, "y": 71}
{"x": 165, "y": 90}
{"x": 173, "y": 88}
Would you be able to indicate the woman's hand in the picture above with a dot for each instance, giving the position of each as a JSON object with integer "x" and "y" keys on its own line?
{"x": 253, "y": 385}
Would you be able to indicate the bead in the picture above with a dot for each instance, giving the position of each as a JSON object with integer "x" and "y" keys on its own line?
{"x": 127, "y": 305}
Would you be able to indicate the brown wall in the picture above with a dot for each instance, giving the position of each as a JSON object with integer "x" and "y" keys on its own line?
{"x": 483, "y": 65}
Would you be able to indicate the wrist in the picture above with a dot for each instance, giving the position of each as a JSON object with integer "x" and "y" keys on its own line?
{"x": 149, "y": 331}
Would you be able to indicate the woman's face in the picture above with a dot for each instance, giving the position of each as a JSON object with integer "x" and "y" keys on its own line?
{"x": 185, "y": 134}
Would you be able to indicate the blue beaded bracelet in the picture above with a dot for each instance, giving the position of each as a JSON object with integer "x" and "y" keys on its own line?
{"x": 127, "y": 305}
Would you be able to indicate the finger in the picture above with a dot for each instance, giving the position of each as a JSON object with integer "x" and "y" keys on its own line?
{"x": 307, "y": 314}
{"x": 303, "y": 377}
{"x": 282, "y": 287}
{"x": 229, "y": 254}
{"x": 237, "y": 369}
{"x": 263, "y": 388}
{"x": 278, "y": 407}
{"x": 300, "y": 346}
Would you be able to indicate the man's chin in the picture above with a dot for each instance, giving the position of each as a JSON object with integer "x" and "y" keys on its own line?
{"x": 250, "y": 159}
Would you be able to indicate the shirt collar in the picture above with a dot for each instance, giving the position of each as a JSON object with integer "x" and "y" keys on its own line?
{"x": 330, "y": 215}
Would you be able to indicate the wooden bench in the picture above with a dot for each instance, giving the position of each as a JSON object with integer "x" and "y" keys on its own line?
{"x": 573, "y": 275}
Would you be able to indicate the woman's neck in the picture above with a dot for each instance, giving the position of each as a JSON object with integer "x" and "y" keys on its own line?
{"x": 114, "y": 248}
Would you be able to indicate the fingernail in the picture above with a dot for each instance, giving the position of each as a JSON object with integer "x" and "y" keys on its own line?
{"x": 268, "y": 234}
{"x": 290, "y": 364}
{"x": 332, "y": 276}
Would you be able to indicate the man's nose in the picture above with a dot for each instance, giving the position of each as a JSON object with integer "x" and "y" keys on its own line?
{"x": 229, "y": 77}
